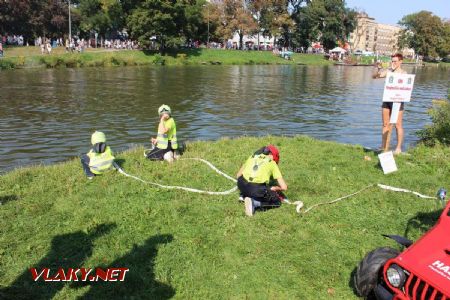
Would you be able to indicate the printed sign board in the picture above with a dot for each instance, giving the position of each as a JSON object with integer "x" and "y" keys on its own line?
{"x": 398, "y": 87}
{"x": 387, "y": 162}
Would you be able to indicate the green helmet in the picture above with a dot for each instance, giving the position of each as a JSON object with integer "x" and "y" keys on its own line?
{"x": 164, "y": 109}
{"x": 98, "y": 137}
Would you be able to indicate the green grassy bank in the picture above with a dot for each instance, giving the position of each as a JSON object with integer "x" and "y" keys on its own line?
{"x": 23, "y": 58}
{"x": 192, "y": 246}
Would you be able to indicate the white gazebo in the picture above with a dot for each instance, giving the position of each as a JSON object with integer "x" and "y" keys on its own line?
{"x": 338, "y": 51}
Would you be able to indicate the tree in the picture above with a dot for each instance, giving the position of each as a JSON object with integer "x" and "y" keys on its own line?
{"x": 426, "y": 33}
{"x": 172, "y": 22}
{"x": 230, "y": 16}
{"x": 272, "y": 17}
{"x": 33, "y": 18}
{"x": 93, "y": 17}
{"x": 326, "y": 21}
{"x": 115, "y": 13}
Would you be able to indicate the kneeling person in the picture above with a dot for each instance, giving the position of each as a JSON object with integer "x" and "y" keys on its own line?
{"x": 254, "y": 180}
{"x": 100, "y": 157}
{"x": 166, "y": 141}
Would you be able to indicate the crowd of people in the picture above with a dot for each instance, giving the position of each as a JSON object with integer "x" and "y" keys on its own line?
{"x": 75, "y": 44}
{"x": 13, "y": 40}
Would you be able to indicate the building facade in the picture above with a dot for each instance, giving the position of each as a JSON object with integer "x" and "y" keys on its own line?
{"x": 370, "y": 36}
{"x": 363, "y": 38}
{"x": 386, "y": 39}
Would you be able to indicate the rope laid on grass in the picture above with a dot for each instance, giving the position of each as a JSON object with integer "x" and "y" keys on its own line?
{"x": 211, "y": 166}
{"x": 121, "y": 171}
{"x": 391, "y": 188}
{"x": 382, "y": 186}
{"x": 338, "y": 199}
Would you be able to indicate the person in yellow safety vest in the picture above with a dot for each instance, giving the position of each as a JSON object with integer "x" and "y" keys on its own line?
{"x": 166, "y": 143}
{"x": 100, "y": 158}
{"x": 254, "y": 180}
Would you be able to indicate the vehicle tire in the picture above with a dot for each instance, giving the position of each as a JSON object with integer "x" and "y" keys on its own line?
{"x": 369, "y": 270}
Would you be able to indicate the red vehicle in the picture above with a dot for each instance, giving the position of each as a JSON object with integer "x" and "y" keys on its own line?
{"x": 421, "y": 271}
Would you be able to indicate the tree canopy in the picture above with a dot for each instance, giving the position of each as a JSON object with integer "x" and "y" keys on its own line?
{"x": 426, "y": 33}
{"x": 173, "y": 23}
{"x": 326, "y": 21}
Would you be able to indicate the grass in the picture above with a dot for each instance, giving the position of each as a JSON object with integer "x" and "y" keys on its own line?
{"x": 192, "y": 246}
{"x": 28, "y": 57}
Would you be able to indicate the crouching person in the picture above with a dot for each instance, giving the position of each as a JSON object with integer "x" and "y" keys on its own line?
{"x": 165, "y": 144}
{"x": 254, "y": 179}
{"x": 100, "y": 158}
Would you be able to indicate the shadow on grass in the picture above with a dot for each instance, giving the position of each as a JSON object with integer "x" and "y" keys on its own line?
{"x": 351, "y": 282}
{"x": 67, "y": 251}
{"x": 8, "y": 198}
{"x": 119, "y": 162}
{"x": 371, "y": 150}
{"x": 422, "y": 221}
{"x": 139, "y": 281}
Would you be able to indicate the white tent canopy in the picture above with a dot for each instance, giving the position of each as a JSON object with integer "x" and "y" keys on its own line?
{"x": 338, "y": 49}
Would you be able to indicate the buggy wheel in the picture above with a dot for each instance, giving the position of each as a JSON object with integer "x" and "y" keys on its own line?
{"x": 369, "y": 270}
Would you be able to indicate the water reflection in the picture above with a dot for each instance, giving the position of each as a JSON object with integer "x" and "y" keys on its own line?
{"x": 48, "y": 115}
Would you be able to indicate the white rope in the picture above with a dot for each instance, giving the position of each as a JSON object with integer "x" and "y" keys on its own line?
{"x": 211, "y": 166}
{"x": 299, "y": 204}
{"x": 385, "y": 187}
{"x": 121, "y": 171}
{"x": 391, "y": 188}
{"x": 338, "y": 199}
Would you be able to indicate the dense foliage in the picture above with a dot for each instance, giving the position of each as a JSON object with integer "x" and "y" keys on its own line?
{"x": 426, "y": 33}
{"x": 173, "y": 23}
{"x": 327, "y": 21}
{"x": 439, "y": 131}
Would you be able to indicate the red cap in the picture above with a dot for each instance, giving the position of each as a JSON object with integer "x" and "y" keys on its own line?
{"x": 275, "y": 153}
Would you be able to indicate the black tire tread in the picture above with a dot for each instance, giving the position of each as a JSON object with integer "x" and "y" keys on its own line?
{"x": 368, "y": 271}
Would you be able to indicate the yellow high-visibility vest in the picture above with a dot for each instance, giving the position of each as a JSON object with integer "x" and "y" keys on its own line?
{"x": 163, "y": 139}
{"x": 260, "y": 168}
{"x": 100, "y": 162}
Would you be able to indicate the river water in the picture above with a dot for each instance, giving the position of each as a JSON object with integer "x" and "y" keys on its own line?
{"x": 48, "y": 115}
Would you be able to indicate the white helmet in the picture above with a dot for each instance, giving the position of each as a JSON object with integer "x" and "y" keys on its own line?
{"x": 164, "y": 109}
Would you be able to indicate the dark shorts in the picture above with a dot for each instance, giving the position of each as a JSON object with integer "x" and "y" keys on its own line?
{"x": 388, "y": 105}
{"x": 259, "y": 192}
{"x": 158, "y": 154}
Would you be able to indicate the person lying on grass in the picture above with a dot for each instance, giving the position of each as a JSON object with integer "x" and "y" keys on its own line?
{"x": 254, "y": 178}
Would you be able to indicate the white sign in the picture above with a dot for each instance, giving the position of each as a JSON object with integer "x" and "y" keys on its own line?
{"x": 387, "y": 162}
{"x": 394, "y": 112}
{"x": 398, "y": 87}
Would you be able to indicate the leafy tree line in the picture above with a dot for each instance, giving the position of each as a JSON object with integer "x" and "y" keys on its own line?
{"x": 173, "y": 23}
{"x": 426, "y": 33}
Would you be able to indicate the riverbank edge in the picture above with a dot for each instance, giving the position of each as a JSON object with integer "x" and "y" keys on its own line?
{"x": 142, "y": 58}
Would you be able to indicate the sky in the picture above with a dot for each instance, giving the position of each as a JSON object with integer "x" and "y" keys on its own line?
{"x": 392, "y": 11}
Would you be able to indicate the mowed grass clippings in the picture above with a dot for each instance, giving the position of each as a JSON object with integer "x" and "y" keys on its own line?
{"x": 192, "y": 246}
